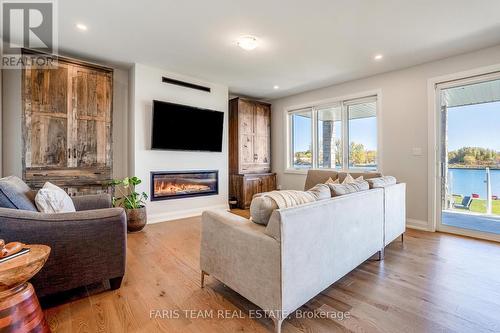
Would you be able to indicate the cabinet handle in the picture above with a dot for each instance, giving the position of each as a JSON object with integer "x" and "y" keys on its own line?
{"x": 74, "y": 152}
{"x": 69, "y": 152}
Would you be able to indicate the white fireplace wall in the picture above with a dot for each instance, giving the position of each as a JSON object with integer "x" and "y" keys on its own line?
{"x": 145, "y": 86}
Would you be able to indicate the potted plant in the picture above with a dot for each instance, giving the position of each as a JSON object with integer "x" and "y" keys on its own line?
{"x": 133, "y": 202}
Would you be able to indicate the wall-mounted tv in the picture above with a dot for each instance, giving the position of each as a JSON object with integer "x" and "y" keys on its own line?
{"x": 182, "y": 127}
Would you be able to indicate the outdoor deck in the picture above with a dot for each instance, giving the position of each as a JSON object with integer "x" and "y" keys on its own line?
{"x": 476, "y": 222}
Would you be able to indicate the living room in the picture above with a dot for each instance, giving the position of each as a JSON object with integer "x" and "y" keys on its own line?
{"x": 250, "y": 166}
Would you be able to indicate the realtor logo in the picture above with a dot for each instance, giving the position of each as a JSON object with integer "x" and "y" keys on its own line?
{"x": 28, "y": 25}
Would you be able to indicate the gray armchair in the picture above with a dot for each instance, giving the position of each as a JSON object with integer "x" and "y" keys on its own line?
{"x": 87, "y": 246}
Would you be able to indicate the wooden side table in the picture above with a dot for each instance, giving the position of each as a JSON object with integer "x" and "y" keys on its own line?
{"x": 20, "y": 310}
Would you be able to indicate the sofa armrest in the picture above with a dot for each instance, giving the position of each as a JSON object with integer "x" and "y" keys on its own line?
{"x": 237, "y": 252}
{"x": 395, "y": 211}
{"x": 89, "y": 202}
{"x": 86, "y": 247}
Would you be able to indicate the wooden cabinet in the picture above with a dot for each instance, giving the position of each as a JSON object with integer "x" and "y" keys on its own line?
{"x": 244, "y": 187}
{"x": 249, "y": 150}
{"x": 67, "y": 122}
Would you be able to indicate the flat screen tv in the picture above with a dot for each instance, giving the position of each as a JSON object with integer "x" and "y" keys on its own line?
{"x": 182, "y": 127}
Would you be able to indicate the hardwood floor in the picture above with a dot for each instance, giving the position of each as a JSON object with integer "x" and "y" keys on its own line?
{"x": 431, "y": 283}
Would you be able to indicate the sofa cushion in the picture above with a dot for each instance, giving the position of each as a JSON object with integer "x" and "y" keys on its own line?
{"x": 381, "y": 181}
{"x": 263, "y": 206}
{"x": 15, "y": 194}
{"x": 342, "y": 189}
{"x": 53, "y": 199}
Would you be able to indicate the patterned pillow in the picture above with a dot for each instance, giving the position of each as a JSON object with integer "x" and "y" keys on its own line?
{"x": 331, "y": 181}
{"x": 343, "y": 189}
{"x": 53, "y": 199}
{"x": 349, "y": 179}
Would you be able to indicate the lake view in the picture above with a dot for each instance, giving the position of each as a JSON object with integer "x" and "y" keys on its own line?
{"x": 468, "y": 181}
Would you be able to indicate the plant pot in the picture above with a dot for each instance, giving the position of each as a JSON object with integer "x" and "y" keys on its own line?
{"x": 136, "y": 219}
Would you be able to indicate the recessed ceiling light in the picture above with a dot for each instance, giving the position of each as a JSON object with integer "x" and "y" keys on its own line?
{"x": 82, "y": 27}
{"x": 247, "y": 43}
{"x": 378, "y": 57}
{"x": 276, "y": 87}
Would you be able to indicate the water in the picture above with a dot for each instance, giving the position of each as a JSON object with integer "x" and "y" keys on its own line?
{"x": 468, "y": 181}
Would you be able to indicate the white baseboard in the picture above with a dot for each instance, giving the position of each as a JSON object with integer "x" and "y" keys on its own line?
{"x": 181, "y": 214}
{"x": 417, "y": 224}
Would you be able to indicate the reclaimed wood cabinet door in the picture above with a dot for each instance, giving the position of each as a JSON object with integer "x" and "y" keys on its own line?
{"x": 67, "y": 124}
{"x": 45, "y": 117}
{"x": 246, "y": 135}
{"x": 262, "y": 141}
{"x": 91, "y": 117}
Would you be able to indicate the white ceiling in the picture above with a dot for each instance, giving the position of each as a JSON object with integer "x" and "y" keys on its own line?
{"x": 304, "y": 44}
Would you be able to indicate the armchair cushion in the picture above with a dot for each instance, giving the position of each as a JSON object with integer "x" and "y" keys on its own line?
{"x": 15, "y": 194}
{"x": 94, "y": 201}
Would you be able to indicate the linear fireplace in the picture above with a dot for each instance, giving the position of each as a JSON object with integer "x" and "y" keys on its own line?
{"x": 182, "y": 184}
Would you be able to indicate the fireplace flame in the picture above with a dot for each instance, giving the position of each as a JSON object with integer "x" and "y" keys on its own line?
{"x": 170, "y": 188}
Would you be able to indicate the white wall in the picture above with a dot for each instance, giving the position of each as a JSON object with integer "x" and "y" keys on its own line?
{"x": 404, "y": 108}
{"x": 146, "y": 85}
{"x": 11, "y": 125}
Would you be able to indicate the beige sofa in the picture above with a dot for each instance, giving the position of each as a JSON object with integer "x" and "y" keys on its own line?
{"x": 300, "y": 252}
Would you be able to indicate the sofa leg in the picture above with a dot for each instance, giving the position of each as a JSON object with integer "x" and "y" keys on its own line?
{"x": 381, "y": 254}
{"x": 203, "y": 273}
{"x": 402, "y": 237}
{"x": 277, "y": 324}
{"x": 115, "y": 283}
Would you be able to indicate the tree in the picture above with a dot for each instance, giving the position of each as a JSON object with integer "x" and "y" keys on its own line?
{"x": 469, "y": 160}
{"x": 474, "y": 156}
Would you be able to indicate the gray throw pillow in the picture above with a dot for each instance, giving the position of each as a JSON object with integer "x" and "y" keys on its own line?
{"x": 342, "y": 189}
{"x": 15, "y": 194}
{"x": 381, "y": 181}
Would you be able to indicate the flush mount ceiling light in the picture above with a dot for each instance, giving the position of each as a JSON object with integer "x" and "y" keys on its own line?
{"x": 378, "y": 57}
{"x": 276, "y": 87}
{"x": 247, "y": 43}
{"x": 81, "y": 26}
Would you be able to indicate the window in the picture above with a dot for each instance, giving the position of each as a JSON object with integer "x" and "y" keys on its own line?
{"x": 342, "y": 136}
{"x": 362, "y": 135}
{"x": 301, "y": 138}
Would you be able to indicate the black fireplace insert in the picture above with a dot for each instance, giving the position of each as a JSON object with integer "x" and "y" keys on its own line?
{"x": 181, "y": 184}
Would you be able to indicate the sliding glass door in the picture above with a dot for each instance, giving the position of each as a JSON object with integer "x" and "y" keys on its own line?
{"x": 469, "y": 153}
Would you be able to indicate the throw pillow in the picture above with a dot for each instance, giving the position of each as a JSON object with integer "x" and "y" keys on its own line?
{"x": 331, "y": 181}
{"x": 343, "y": 189}
{"x": 263, "y": 206}
{"x": 349, "y": 179}
{"x": 53, "y": 199}
{"x": 15, "y": 194}
{"x": 381, "y": 181}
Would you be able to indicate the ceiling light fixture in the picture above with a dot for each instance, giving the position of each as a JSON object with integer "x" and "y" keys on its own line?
{"x": 247, "y": 43}
{"x": 276, "y": 87}
{"x": 378, "y": 57}
{"x": 82, "y": 27}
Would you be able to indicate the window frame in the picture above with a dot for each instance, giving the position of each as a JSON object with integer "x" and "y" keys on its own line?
{"x": 343, "y": 102}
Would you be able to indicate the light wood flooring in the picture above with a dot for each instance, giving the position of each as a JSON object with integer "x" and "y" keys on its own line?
{"x": 432, "y": 282}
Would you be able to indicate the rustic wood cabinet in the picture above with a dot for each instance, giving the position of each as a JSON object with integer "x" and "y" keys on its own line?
{"x": 67, "y": 124}
{"x": 249, "y": 150}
